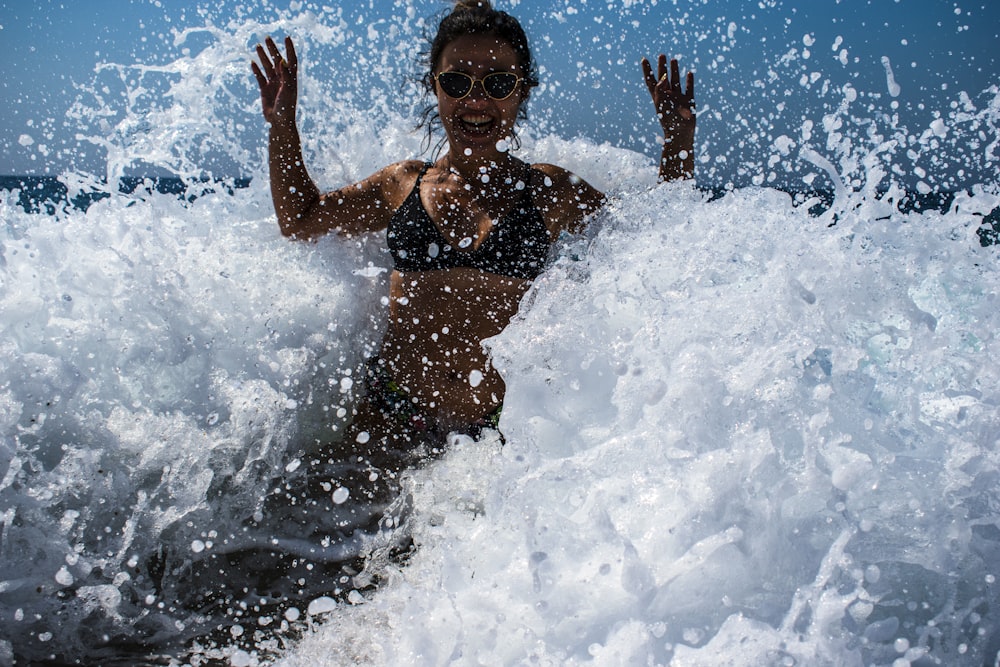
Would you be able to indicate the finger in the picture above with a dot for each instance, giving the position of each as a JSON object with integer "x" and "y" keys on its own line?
{"x": 647, "y": 75}
{"x": 265, "y": 62}
{"x": 675, "y": 75}
{"x": 293, "y": 58}
{"x": 261, "y": 79}
{"x": 275, "y": 53}
{"x": 661, "y": 72}
{"x": 690, "y": 86}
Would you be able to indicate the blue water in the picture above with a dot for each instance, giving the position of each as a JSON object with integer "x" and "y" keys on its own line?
{"x": 743, "y": 426}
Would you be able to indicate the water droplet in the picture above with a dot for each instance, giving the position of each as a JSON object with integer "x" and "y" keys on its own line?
{"x": 321, "y": 605}
{"x": 64, "y": 577}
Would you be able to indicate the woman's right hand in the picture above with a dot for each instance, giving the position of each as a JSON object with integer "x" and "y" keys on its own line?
{"x": 277, "y": 79}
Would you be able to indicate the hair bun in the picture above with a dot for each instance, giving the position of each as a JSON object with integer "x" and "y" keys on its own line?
{"x": 465, "y": 5}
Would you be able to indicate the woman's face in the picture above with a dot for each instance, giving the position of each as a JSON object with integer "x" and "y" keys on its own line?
{"x": 477, "y": 122}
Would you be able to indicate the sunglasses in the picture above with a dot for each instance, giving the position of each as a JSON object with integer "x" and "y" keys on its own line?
{"x": 498, "y": 85}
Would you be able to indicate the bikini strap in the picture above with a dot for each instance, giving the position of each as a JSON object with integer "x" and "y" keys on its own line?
{"x": 420, "y": 176}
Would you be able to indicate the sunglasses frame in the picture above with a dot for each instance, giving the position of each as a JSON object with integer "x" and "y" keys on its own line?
{"x": 482, "y": 82}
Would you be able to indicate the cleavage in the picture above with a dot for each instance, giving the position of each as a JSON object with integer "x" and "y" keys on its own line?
{"x": 457, "y": 214}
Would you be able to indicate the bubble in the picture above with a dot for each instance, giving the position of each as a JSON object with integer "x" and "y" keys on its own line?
{"x": 64, "y": 577}
{"x": 241, "y": 658}
{"x": 503, "y": 146}
{"x": 321, "y": 605}
{"x": 363, "y": 437}
{"x": 341, "y": 495}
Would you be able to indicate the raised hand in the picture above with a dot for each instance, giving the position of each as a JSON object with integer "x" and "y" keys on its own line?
{"x": 278, "y": 83}
{"x": 674, "y": 107}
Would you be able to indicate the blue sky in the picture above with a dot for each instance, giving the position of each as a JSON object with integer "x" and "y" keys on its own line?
{"x": 754, "y": 61}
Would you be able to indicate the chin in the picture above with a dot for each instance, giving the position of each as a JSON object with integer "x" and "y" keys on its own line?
{"x": 480, "y": 146}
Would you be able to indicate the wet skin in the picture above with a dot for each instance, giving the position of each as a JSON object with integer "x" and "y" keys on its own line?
{"x": 438, "y": 319}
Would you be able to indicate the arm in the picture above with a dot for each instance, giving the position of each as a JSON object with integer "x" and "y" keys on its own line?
{"x": 302, "y": 211}
{"x": 564, "y": 199}
{"x": 675, "y": 109}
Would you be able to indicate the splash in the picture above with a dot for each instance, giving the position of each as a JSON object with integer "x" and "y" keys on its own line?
{"x": 757, "y": 427}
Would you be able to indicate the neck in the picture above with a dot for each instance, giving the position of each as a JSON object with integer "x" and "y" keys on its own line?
{"x": 473, "y": 167}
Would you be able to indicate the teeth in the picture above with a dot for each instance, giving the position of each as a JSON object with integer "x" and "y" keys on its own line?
{"x": 476, "y": 120}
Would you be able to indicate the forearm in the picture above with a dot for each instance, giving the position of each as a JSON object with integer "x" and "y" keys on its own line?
{"x": 292, "y": 190}
{"x": 677, "y": 158}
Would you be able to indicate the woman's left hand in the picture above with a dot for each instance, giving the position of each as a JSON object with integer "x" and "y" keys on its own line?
{"x": 674, "y": 107}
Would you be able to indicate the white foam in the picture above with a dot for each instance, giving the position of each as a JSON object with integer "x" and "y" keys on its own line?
{"x": 734, "y": 432}
{"x": 710, "y": 435}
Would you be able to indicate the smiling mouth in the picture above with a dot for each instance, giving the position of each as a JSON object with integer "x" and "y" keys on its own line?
{"x": 476, "y": 125}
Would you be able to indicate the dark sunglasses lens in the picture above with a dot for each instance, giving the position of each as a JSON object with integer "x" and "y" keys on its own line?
{"x": 500, "y": 85}
{"x": 455, "y": 84}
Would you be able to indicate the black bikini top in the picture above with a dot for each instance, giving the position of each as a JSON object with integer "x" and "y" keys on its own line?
{"x": 517, "y": 246}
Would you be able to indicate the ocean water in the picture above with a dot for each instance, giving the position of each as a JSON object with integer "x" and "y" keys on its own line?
{"x": 743, "y": 429}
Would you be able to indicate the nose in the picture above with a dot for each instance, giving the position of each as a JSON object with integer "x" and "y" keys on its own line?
{"x": 478, "y": 91}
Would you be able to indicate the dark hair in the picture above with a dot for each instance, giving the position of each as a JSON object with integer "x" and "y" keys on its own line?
{"x": 473, "y": 17}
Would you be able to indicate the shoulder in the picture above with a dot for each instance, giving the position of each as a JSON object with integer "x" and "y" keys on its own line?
{"x": 398, "y": 176}
{"x": 367, "y": 205}
{"x": 563, "y": 198}
{"x": 557, "y": 181}
{"x": 554, "y": 173}
{"x": 387, "y": 187}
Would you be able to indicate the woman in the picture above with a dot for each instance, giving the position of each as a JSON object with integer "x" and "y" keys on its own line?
{"x": 468, "y": 233}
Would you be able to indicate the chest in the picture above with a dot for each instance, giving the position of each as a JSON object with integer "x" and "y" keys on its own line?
{"x": 432, "y": 232}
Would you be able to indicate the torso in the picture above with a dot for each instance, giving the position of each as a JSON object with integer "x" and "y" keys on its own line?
{"x": 445, "y": 299}
{"x": 515, "y": 245}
